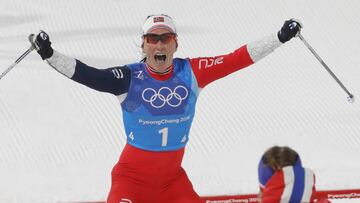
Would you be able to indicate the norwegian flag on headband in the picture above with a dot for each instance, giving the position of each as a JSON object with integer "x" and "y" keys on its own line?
{"x": 159, "y": 19}
{"x": 289, "y": 185}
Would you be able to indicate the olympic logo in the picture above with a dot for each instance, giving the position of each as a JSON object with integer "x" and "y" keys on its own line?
{"x": 165, "y": 95}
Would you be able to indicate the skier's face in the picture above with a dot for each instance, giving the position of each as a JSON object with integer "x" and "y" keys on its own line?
{"x": 159, "y": 47}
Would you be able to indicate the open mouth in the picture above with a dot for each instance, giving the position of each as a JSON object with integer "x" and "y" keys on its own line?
{"x": 160, "y": 57}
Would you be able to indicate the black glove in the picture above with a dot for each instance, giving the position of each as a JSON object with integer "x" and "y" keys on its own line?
{"x": 289, "y": 30}
{"x": 41, "y": 42}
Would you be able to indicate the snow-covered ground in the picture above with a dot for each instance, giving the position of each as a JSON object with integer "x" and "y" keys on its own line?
{"x": 59, "y": 140}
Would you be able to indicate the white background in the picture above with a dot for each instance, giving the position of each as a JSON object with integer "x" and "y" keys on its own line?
{"x": 59, "y": 140}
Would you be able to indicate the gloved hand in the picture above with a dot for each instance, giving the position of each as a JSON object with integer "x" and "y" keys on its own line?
{"x": 289, "y": 30}
{"x": 41, "y": 42}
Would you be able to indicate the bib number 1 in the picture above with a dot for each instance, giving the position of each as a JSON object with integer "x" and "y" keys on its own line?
{"x": 164, "y": 135}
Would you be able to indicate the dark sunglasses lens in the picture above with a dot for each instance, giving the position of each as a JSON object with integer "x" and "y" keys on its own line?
{"x": 164, "y": 38}
{"x": 152, "y": 39}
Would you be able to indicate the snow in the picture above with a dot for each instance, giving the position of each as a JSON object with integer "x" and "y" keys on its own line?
{"x": 59, "y": 140}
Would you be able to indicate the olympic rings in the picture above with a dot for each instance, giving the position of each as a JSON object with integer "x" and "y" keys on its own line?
{"x": 164, "y": 96}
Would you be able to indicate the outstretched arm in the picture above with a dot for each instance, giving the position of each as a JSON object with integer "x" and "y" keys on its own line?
{"x": 113, "y": 80}
{"x": 209, "y": 69}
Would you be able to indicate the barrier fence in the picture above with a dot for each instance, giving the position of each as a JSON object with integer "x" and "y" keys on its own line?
{"x": 320, "y": 195}
{"x": 331, "y": 195}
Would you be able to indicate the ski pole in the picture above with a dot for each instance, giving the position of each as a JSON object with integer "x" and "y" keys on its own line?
{"x": 350, "y": 97}
{"x": 17, "y": 61}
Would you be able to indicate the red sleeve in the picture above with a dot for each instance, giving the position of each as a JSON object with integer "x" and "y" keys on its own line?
{"x": 209, "y": 69}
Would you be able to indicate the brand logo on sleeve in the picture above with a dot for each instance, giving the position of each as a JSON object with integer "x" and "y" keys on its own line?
{"x": 208, "y": 62}
{"x": 117, "y": 73}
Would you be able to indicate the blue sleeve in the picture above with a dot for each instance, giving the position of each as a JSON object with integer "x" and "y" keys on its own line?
{"x": 115, "y": 80}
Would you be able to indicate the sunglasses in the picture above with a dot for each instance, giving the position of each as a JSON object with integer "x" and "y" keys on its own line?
{"x": 164, "y": 38}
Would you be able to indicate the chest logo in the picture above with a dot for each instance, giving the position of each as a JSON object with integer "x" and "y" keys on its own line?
{"x": 165, "y": 95}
